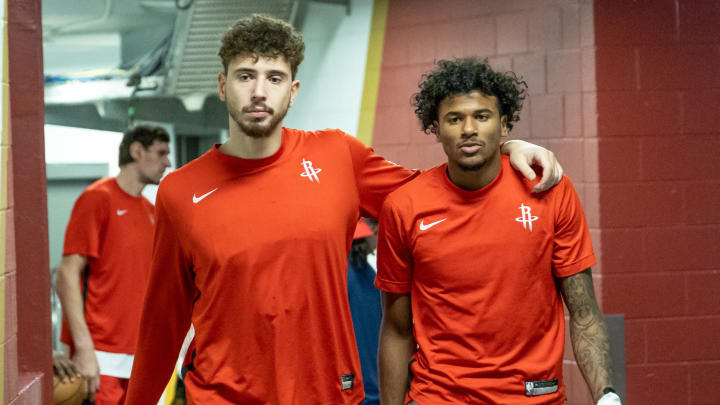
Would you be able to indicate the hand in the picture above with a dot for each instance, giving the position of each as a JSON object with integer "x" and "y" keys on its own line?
{"x": 87, "y": 366}
{"x": 523, "y": 155}
{"x": 63, "y": 367}
{"x": 610, "y": 398}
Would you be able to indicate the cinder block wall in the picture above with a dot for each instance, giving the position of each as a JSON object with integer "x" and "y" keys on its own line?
{"x": 26, "y": 344}
{"x": 549, "y": 43}
{"x": 627, "y": 94}
{"x": 658, "y": 191}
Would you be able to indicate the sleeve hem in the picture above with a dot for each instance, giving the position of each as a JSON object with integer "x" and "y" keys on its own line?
{"x": 81, "y": 253}
{"x": 576, "y": 267}
{"x": 392, "y": 286}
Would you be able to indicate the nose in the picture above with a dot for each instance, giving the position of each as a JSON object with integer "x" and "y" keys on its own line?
{"x": 166, "y": 162}
{"x": 469, "y": 127}
{"x": 259, "y": 91}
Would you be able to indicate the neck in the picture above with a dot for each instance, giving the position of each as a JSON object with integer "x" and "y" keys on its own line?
{"x": 474, "y": 179}
{"x": 247, "y": 147}
{"x": 129, "y": 180}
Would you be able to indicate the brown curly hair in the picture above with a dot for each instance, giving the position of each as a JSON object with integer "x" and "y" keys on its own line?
{"x": 261, "y": 35}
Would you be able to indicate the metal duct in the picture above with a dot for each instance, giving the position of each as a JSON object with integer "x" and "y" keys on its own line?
{"x": 193, "y": 60}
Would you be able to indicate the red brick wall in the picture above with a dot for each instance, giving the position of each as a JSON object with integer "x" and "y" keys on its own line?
{"x": 658, "y": 94}
{"x": 28, "y": 351}
{"x": 550, "y": 43}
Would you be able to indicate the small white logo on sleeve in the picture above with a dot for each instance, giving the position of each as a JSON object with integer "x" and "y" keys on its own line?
{"x": 197, "y": 199}
{"x": 424, "y": 227}
{"x": 121, "y": 212}
{"x": 310, "y": 172}
{"x": 527, "y": 218}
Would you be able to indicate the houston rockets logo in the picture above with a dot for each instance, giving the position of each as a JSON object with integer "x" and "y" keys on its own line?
{"x": 310, "y": 172}
{"x": 527, "y": 218}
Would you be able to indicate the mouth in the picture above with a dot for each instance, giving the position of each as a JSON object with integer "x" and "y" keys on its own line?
{"x": 470, "y": 147}
{"x": 257, "y": 112}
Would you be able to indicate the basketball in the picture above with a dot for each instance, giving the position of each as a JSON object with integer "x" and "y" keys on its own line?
{"x": 68, "y": 392}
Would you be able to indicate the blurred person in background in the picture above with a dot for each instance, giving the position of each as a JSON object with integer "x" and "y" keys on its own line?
{"x": 365, "y": 306}
{"x": 104, "y": 270}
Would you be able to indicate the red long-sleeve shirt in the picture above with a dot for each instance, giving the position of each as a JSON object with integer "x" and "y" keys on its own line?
{"x": 253, "y": 253}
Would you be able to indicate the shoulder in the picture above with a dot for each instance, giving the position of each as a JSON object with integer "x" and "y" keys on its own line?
{"x": 189, "y": 173}
{"x": 328, "y": 135}
{"x": 406, "y": 195}
{"x": 100, "y": 190}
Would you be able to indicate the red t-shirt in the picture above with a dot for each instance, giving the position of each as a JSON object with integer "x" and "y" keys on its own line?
{"x": 113, "y": 229}
{"x": 254, "y": 252}
{"x": 481, "y": 269}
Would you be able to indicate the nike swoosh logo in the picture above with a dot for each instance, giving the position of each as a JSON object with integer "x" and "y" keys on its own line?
{"x": 424, "y": 227}
{"x": 121, "y": 212}
{"x": 197, "y": 199}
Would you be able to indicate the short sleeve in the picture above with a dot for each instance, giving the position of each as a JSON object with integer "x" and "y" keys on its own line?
{"x": 375, "y": 176}
{"x": 83, "y": 235}
{"x": 395, "y": 262}
{"x": 572, "y": 247}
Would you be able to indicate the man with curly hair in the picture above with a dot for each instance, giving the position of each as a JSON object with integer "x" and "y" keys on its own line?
{"x": 473, "y": 265}
{"x": 251, "y": 244}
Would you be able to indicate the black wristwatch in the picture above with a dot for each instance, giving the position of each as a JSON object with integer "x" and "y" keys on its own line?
{"x": 608, "y": 390}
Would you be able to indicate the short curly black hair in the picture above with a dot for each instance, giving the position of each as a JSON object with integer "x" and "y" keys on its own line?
{"x": 262, "y": 35}
{"x": 462, "y": 76}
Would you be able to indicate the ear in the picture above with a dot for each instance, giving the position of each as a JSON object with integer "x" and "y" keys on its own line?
{"x": 294, "y": 88}
{"x": 222, "y": 80}
{"x": 504, "y": 131}
{"x": 136, "y": 149}
{"x": 435, "y": 129}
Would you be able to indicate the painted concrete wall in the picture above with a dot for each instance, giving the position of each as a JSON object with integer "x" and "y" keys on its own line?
{"x": 658, "y": 192}
{"x": 626, "y": 94}
{"x": 27, "y": 361}
{"x": 331, "y": 77}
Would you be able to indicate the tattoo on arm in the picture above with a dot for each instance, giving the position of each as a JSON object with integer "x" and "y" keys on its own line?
{"x": 588, "y": 331}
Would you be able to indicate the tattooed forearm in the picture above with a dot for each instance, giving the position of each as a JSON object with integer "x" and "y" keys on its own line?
{"x": 588, "y": 331}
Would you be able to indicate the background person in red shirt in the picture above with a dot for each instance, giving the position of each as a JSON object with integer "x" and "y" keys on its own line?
{"x": 106, "y": 260}
{"x": 252, "y": 239}
{"x": 473, "y": 264}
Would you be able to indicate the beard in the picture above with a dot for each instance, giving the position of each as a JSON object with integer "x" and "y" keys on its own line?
{"x": 256, "y": 128}
{"x": 148, "y": 180}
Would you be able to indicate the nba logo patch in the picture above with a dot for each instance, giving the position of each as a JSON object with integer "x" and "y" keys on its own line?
{"x": 348, "y": 381}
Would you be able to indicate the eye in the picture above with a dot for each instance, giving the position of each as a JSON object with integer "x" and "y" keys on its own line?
{"x": 453, "y": 120}
{"x": 482, "y": 117}
{"x": 275, "y": 79}
{"x": 243, "y": 77}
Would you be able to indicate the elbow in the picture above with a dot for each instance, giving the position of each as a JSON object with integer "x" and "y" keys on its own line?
{"x": 64, "y": 279}
{"x": 395, "y": 332}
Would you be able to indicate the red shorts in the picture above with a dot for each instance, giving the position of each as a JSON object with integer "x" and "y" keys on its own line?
{"x": 112, "y": 391}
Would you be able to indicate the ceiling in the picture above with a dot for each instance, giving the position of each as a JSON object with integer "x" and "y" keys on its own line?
{"x": 107, "y": 62}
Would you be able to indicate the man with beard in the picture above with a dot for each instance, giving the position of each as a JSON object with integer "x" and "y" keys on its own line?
{"x": 252, "y": 241}
{"x": 473, "y": 265}
{"x": 105, "y": 265}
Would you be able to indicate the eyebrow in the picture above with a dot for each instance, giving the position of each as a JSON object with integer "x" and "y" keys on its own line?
{"x": 481, "y": 110}
{"x": 273, "y": 72}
